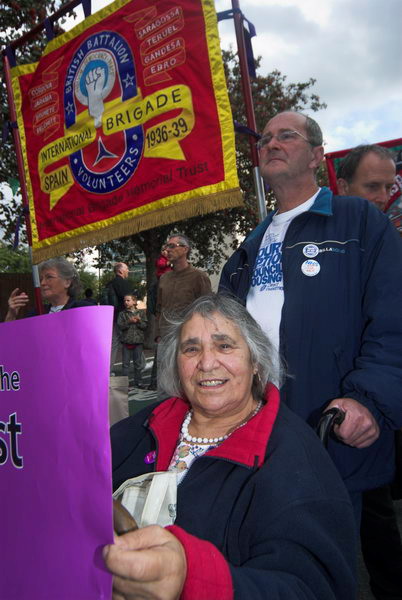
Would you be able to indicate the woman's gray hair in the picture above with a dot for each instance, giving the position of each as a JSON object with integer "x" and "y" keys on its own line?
{"x": 66, "y": 271}
{"x": 262, "y": 353}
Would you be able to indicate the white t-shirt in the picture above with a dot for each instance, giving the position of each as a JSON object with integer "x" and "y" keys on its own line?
{"x": 265, "y": 296}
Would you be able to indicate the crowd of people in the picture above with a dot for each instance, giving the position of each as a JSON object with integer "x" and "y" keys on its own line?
{"x": 307, "y": 317}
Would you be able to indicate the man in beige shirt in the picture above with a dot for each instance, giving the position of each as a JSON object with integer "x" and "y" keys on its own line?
{"x": 179, "y": 287}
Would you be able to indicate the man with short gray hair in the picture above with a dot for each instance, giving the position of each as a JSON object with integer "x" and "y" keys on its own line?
{"x": 322, "y": 277}
{"x": 180, "y": 286}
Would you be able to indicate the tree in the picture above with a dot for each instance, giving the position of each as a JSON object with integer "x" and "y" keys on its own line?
{"x": 88, "y": 280}
{"x": 14, "y": 261}
{"x": 209, "y": 233}
{"x": 16, "y": 18}
{"x": 271, "y": 94}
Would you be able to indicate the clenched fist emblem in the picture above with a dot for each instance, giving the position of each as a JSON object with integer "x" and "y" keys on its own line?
{"x": 95, "y": 84}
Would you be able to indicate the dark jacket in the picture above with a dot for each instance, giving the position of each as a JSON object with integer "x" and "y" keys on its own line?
{"x": 341, "y": 330}
{"x": 263, "y": 515}
{"x": 122, "y": 287}
{"x": 72, "y": 303}
{"x": 132, "y": 333}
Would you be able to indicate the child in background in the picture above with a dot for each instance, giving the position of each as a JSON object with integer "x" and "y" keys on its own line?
{"x": 132, "y": 322}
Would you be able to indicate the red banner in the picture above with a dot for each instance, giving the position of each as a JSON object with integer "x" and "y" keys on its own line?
{"x": 125, "y": 125}
{"x": 394, "y": 209}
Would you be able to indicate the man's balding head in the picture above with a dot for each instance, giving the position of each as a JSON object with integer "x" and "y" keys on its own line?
{"x": 290, "y": 150}
{"x": 121, "y": 269}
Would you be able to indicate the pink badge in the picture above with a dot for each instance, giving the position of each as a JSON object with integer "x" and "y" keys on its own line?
{"x": 150, "y": 457}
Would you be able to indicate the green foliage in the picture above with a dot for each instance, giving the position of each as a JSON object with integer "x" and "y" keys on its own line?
{"x": 17, "y": 18}
{"x": 88, "y": 280}
{"x": 209, "y": 233}
{"x": 14, "y": 261}
{"x": 271, "y": 94}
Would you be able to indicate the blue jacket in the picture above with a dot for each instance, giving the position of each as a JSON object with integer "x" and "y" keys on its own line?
{"x": 263, "y": 515}
{"x": 341, "y": 330}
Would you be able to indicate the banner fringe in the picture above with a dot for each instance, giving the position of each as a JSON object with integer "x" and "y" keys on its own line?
{"x": 186, "y": 209}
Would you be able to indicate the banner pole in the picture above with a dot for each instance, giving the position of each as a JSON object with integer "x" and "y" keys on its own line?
{"x": 86, "y": 4}
{"x": 248, "y": 101}
{"x": 20, "y": 165}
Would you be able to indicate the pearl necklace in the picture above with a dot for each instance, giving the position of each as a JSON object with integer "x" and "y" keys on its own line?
{"x": 216, "y": 440}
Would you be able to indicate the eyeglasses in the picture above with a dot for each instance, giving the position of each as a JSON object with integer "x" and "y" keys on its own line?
{"x": 283, "y": 137}
{"x": 171, "y": 245}
{"x": 48, "y": 277}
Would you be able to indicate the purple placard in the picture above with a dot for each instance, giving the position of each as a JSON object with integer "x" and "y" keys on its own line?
{"x": 55, "y": 468}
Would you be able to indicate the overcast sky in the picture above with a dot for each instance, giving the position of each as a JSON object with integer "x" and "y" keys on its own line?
{"x": 352, "y": 48}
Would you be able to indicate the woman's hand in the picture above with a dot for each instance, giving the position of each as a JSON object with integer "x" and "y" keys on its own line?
{"x": 149, "y": 563}
{"x": 16, "y": 301}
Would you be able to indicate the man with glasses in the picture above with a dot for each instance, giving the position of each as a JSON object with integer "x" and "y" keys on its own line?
{"x": 322, "y": 277}
{"x": 180, "y": 286}
{"x": 177, "y": 288}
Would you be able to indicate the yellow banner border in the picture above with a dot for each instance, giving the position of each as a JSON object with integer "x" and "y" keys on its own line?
{"x": 16, "y": 72}
{"x": 147, "y": 217}
{"x": 93, "y": 19}
{"x": 224, "y": 194}
{"x": 221, "y": 94}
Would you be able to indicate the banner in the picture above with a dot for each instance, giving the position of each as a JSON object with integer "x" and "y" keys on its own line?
{"x": 394, "y": 209}
{"x": 55, "y": 466}
{"x": 125, "y": 125}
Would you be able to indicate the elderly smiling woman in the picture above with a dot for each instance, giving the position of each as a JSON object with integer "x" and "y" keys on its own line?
{"x": 261, "y": 510}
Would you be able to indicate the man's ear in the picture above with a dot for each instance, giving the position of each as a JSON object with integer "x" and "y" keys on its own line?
{"x": 343, "y": 186}
{"x": 318, "y": 156}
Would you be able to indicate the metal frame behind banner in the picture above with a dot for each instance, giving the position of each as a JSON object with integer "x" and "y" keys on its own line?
{"x": 248, "y": 101}
{"x": 25, "y": 202}
{"x": 46, "y": 26}
{"x": 9, "y": 61}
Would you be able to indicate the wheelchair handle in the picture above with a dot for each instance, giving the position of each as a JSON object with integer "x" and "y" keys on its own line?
{"x": 329, "y": 418}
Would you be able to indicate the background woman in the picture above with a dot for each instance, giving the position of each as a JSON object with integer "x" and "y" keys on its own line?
{"x": 261, "y": 510}
{"x": 60, "y": 286}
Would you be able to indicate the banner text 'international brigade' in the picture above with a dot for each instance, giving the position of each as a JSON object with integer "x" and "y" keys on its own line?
{"x": 125, "y": 125}
{"x": 394, "y": 210}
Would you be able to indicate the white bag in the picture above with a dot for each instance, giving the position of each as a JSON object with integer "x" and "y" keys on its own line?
{"x": 150, "y": 498}
{"x": 118, "y": 399}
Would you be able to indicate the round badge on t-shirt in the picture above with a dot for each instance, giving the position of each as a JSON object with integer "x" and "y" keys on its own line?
{"x": 310, "y": 268}
{"x": 310, "y": 250}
